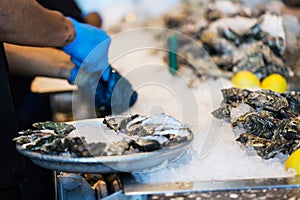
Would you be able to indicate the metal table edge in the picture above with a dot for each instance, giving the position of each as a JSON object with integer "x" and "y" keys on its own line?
{"x": 132, "y": 187}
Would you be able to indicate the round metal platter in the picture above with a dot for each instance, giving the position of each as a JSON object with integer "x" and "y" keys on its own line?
{"x": 137, "y": 162}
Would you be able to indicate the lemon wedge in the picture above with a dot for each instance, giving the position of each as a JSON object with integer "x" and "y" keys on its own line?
{"x": 293, "y": 161}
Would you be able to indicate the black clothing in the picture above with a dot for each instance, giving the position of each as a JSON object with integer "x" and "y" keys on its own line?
{"x": 10, "y": 193}
{"x": 30, "y": 108}
{"x": 11, "y": 167}
{"x": 67, "y": 7}
{"x": 28, "y": 104}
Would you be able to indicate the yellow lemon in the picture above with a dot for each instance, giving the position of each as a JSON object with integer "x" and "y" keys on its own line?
{"x": 293, "y": 161}
{"x": 274, "y": 82}
{"x": 245, "y": 79}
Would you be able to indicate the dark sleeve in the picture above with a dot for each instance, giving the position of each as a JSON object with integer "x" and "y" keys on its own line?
{"x": 11, "y": 168}
{"x": 67, "y": 7}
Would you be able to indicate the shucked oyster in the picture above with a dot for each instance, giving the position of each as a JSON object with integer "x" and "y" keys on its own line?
{"x": 146, "y": 133}
{"x": 59, "y": 128}
{"x": 142, "y": 125}
{"x": 52, "y": 138}
{"x": 118, "y": 123}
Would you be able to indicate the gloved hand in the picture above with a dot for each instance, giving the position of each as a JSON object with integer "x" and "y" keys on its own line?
{"x": 89, "y": 50}
{"x": 114, "y": 94}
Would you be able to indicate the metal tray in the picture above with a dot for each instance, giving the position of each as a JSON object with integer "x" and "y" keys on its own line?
{"x": 137, "y": 162}
{"x": 265, "y": 188}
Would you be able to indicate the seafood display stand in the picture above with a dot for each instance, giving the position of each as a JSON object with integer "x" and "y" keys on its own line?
{"x": 272, "y": 188}
{"x": 268, "y": 188}
{"x": 259, "y": 188}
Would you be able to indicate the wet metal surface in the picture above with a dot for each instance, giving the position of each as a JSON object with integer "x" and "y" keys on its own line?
{"x": 269, "y": 188}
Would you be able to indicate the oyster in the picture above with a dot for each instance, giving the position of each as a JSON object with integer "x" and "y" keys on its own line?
{"x": 118, "y": 148}
{"x": 222, "y": 113}
{"x": 142, "y": 125}
{"x": 234, "y": 96}
{"x": 259, "y": 59}
{"x": 261, "y": 124}
{"x": 146, "y": 145}
{"x": 30, "y": 136}
{"x": 290, "y": 128}
{"x": 252, "y": 140}
{"x": 246, "y": 40}
{"x": 272, "y": 127}
{"x": 148, "y": 133}
{"x": 259, "y": 100}
{"x": 264, "y": 148}
{"x": 81, "y": 148}
{"x": 294, "y": 101}
{"x": 59, "y": 128}
{"x": 118, "y": 123}
{"x": 267, "y": 100}
{"x": 37, "y": 144}
{"x": 52, "y": 138}
{"x": 143, "y": 134}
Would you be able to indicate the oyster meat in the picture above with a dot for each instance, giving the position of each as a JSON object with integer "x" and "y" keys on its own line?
{"x": 147, "y": 133}
{"x": 52, "y": 138}
{"x": 142, "y": 134}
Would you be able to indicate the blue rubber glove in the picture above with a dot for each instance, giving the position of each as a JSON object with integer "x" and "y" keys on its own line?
{"x": 114, "y": 94}
{"x": 89, "y": 49}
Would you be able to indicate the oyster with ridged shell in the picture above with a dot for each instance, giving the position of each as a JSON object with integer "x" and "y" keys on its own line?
{"x": 270, "y": 126}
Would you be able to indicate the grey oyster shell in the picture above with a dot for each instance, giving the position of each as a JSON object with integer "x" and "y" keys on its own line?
{"x": 146, "y": 133}
{"x": 272, "y": 127}
{"x": 52, "y": 138}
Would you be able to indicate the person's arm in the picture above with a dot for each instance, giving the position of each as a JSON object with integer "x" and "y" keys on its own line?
{"x": 25, "y": 22}
{"x": 35, "y": 61}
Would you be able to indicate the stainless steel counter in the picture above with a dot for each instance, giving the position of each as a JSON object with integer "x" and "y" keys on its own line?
{"x": 271, "y": 188}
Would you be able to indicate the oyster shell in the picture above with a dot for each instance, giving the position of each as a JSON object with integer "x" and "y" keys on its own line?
{"x": 148, "y": 133}
{"x": 146, "y": 145}
{"x": 118, "y": 123}
{"x": 118, "y": 148}
{"x": 59, "y": 128}
{"x": 252, "y": 40}
{"x": 143, "y": 134}
{"x": 52, "y": 138}
{"x": 261, "y": 124}
{"x": 272, "y": 127}
{"x": 267, "y": 100}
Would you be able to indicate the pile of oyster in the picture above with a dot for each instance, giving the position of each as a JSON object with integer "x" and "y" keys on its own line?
{"x": 139, "y": 134}
{"x": 267, "y": 121}
{"x": 146, "y": 133}
{"x": 235, "y": 38}
{"x": 53, "y": 138}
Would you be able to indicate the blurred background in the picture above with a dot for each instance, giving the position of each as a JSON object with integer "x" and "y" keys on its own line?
{"x": 113, "y": 11}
